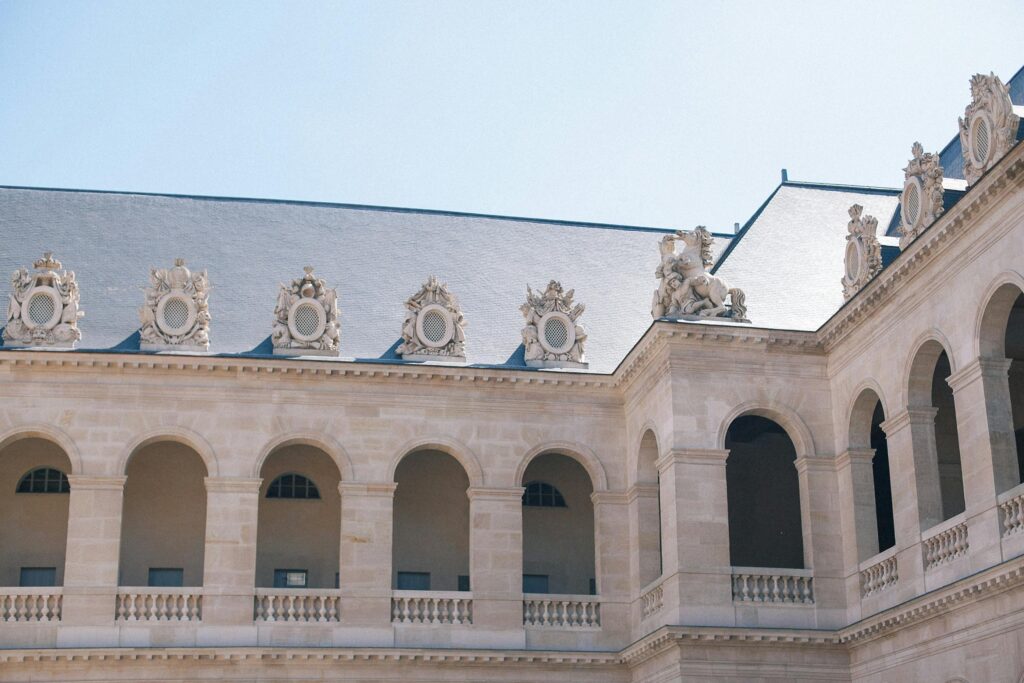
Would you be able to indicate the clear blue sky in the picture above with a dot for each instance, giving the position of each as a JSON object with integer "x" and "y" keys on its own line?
{"x": 643, "y": 113}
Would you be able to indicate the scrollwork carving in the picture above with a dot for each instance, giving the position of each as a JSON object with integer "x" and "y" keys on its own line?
{"x": 863, "y": 259}
{"x": 434, "y": 327}
{"x": 988, "y": 128}
{"x": 306, "y": 318}
{"x": 43, "y": 307}
{"x": 921, "y": 201}
{"x": 553, "y": 336}
{"x": 176, "y": 313}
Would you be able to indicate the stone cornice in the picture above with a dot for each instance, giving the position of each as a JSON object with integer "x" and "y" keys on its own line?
{"x": 692, "y": 456}
{"x": 994, "y": 368}
{"x": 514, "y": 493}
{"x": 917, "y": 255}
{"x": 642, "y": 491}
{"x": 816, "y": 463}
{"x": 383, "y": 489}
{"x": 854, "y": 456}
{"x": 233, "y": 484}
{"x": 907, "y": 417}
{"x": 609, "y": 498}
{"x": 85, "y": 482}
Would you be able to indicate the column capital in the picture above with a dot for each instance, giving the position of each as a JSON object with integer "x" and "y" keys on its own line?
{"x": 693, "y": 456}
{"x": 86, "y": 482}
{"x": 514, "y": 493}
{"x": 232, "y": 484}
{"x": 383, "y": 489}
{"x": 919, "y": 416}
{"x": 991, "y": 368}
{"x": 609, "y": 498}
{"x": 821, "y": 463}
{"x": 855, "y": 456}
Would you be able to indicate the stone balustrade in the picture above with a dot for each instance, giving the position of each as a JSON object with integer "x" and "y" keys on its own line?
{"x": 1011, "y": 511}
{"x": 30, "y": 604}
{"x": 431, "y": 607}
{"x": 878, "y": 573}
{"x": 163, "y": 604}
{"x": 778, "y": 586}
{"x": 290, "y": 604}
{"x": 564, "y": 611}
{"x": 651, "y": 600}
{"x": 945, "y": 542}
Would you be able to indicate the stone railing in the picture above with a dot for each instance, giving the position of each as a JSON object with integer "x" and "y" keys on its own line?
{"x": 30, "y": 604}
{"x": 651, "y": 600}
{"x": 296, "y": 604}
{"x": 945, "y": 542}
{"x": 1011, "y": 510}
{"x": 563, "y": 611}
{"x": 431, "y": 607}
{"x": 775, "y": 586}
{"x": 159, "y": 604}
{"x": 878, "y": 573}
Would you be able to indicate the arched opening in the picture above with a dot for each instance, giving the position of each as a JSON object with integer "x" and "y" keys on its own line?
{"x": 33, "y": 513}
{"x": 1002, "y": 337}
{"x": 430, "y": 546}
{"x": 649, "y": 510}
{"x": 763, "y": 492}
{"x": 936, "y": 443}
{"x": 299, "y": 528}
{"x": 872, "y": 494}
{"x": 558, "y": 541}
{"x": 163, "y": 523}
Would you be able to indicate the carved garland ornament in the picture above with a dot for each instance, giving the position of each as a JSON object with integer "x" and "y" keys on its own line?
{"x": 863, "y": 258}
{"x": 553, "y": 337}
{"x": 687, "y": 291}
{"x": 42, "y": 309}
{"x": 306, "y": 318}
{"x": 921, "y": 201}
{"x": 434, "y": 328}
{"x": 988, "y": 128}
{"x": 176, "y": 315}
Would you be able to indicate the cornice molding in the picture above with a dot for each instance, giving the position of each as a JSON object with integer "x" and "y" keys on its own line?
{"x": 815, "y": 463}
{"x": 384, "y": 489}
{"x": 992, "y": 368}
{"x": 609, "y": 498}
{"x": 854, "y": 456}
{"x": 232, "y": 484}
{"x": 86, "y": 482}
{"x": 692, "y": 456}
{"x": 642, "y": 491}
{"x": 905, "y": 418}
{"x": 514, "y": 493}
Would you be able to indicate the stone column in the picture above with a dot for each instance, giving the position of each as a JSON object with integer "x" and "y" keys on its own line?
{"x": 645, "y": 564}
{"x": 496, "y": 565}
{"x": 611, "y": 562}
{"x": 857, "y": 509}
{"x": 695, "y": 538}
{"x": 364, "y": 573}
{"x": 229, "y": 560}
{"x": 92, "y": 561}
{"x": 988, "y": 453}
{"x": 910, "y": 436}
{"x": 822, "y": 536}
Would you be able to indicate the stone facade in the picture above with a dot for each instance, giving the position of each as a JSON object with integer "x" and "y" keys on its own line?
{"x": 170, "y": 462}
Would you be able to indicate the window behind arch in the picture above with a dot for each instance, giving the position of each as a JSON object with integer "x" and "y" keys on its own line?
{"x": 292, "y": 486}
{"x": 539, "y": 494}
{"x": 44, "y": 480}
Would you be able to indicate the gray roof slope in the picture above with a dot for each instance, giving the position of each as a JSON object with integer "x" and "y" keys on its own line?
{"x": 376, "y": 258}
{"x": 789, "y": 258}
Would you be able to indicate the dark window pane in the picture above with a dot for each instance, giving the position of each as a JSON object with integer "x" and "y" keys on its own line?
{"x": 292, "y": 486}
{"x": 167, "y": 576}
{"x": 539, "y": 494}
{"x": 463, "y": 583}
{"x": 44, "y": 480}
{"x": 290, "y": 578}
{"x": 535, "y": 583}
{"x": 413, "y": 581}
{"x": 38, "y": 576}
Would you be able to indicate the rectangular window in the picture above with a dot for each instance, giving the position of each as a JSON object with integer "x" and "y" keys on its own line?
{"x": 463, "y": 583}
{"x": 166, "y": 576}
{"x": 535, "y": 583}
{"x": 290, "y": 578}
{"x": 38, "y": 576}
{"x": 413, "y": 581}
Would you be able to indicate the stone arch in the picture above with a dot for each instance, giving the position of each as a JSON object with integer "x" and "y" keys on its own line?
{"x": 47, "y": 433}
{"x": 645, "y": 467}
{"x": 917, "y": 372}
{"x": 786, "y": 417}
{"x": 859, "y": 413}
{"x": 578, "y": 452}
{"x": 334, "y": 450}
{"x": 466, "y": 457}
{"x": 181, "y": 435}
{"x": 994, "y": 314}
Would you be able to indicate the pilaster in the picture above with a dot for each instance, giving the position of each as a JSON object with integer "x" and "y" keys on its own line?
{"x": 857, "y": 512}
{"x": 364, "y": 573}
{"x": 496, "y": 565}
{"x": 821, "y": 526}
{"x": 611, "y": 544}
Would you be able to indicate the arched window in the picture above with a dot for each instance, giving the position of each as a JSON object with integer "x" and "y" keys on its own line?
{"x": 44, "y": 480}
{"x": 292, "y": 486}
{"x": 541, "y": 495}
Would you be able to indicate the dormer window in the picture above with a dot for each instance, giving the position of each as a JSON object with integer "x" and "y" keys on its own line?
{"x": 553, "y": 337}
{"x": 989, "y": 126}
{"x": 434, "y": 328}
{"x": 43, "y": 307}
{"x": 306, "y": 318}
{"x": 176, "y": 314}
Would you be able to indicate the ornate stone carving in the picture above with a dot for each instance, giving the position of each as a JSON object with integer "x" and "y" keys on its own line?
{"x": 42, "y": 309}
{"x": 176, "y": 315}
{"x": 687, "y": 291}
{"x": 863, "y": 258}
{"x": 434, "y": 328}
{"x": 921, "y": 201}
{"x": 306, "y": 318}
{"x": 988, "y": 128}
{"x": 553, "y": 336}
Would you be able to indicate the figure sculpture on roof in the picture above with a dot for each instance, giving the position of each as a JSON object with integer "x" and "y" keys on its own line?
{"x": 434, "y": 327}
{"x": 306, "y": 318}
{"x": 553, "y": 336}
{"x": 43, "y": 308}
{"x": 863, "y": 256}
{"x": 176, "y": 312}
{"x": 989, "y": 126}
{"x": 687, "y": 291}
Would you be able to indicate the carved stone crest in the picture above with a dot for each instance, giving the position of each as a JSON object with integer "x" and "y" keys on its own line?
{"x": 863, "y": 259}
{"x": 921, "y": 201}
{"x": 553, "y": 336}
{"x": 434, "y": 328}
{"x": 176, "y": 315}
{"x": 687, "y": 291}
{"x": 306, "y": 318}
{"x": 42, "y": 308}
{"x": 988, "y": 128}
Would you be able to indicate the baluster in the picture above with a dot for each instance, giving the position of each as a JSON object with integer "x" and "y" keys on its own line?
{"x": 545, "y": 612}
{"x": 404, "y": 609}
